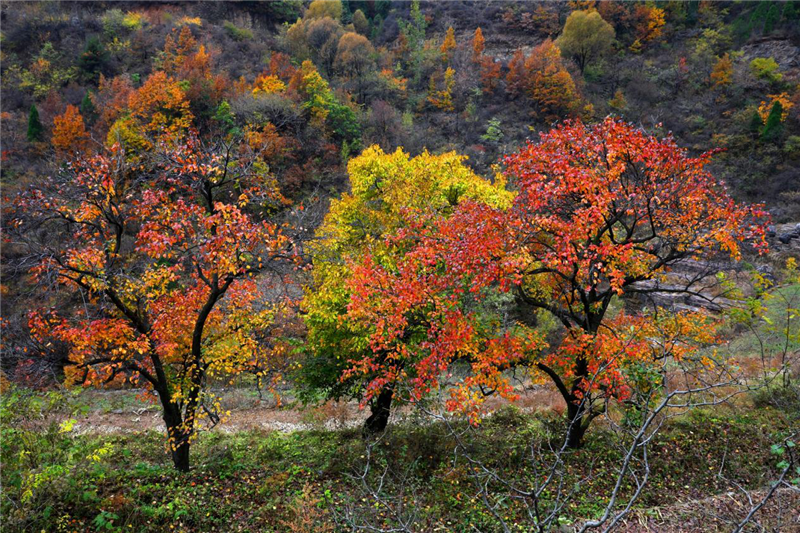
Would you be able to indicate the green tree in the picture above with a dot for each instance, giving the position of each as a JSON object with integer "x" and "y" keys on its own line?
{"x": 360, "y": 23}
{"x": 755, "y": 124}
{"x": 771, "y": 19}
{"x": 35, "y": 128}
{"x": 493, "y": 133}
{"x": 773, "y": 127}
{"x": 87, "y": 108}
{"x": 586, "y": 36}
{"x": 93, "y": 57}
{"x": 384, "y": 190}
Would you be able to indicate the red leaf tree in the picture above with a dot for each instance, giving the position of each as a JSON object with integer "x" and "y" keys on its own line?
{"x": 602, "y": 211}
{"x": 164, "y": 254}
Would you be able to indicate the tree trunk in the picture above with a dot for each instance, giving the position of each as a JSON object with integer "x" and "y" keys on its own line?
{"x": 576, "y": 406}
{"x": 178, "y": 439}
{"x": 379, "y": 418}
{"x": 180, "y": 456}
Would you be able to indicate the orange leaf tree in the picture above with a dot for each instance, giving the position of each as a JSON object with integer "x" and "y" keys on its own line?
{"x": 164, "y": 253}
{"x": 602, "y": 211}
{"x": 69, "y": 131}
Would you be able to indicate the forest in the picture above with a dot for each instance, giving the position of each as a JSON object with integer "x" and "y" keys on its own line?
{"x": 400, "y": 266}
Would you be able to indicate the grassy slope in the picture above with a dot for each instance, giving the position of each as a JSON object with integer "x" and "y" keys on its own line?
{"x": 257, "y": 481}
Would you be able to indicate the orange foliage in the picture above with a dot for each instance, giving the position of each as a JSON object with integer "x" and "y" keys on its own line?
{"x": 478, "y": 45}
{"x": 111, "y": 99}
{"x": 69, "y": 132}
{"x": 599, "y": 210}
{"x": 490, "y": 74}
{"x": 549, "y": 84}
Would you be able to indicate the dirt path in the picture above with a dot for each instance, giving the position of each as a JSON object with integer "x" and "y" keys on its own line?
{"x": 264, "y": 415}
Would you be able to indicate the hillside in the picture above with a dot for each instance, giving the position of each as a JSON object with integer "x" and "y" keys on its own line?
{"x": 400, "y": 265}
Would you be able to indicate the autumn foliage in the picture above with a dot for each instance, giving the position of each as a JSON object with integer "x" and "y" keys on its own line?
{"x": 69, "y": 131}
{"x": 600, "y": 211}
{"x": 165, "y": 250}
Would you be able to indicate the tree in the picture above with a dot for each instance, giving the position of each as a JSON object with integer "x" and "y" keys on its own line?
{"x": 35, "y": 128}
{"x": 549, "y": 84}
{"x": 384, "y": 187}
{"x": 722, "y": 73}
{"x": 586, "y": 37}
{"x": 442, "y": 98}
{"x": 163, "y": 253}
{"x": 478, "y": 45}
{"x": 360, "y": 22}
{"x": 771, "y": 19}
{"x": 755, "y": 124}
{"x": 649, "y": 23}
{"x": 323, "y": 35}
{"x": 490, "y": 74}
{"x": 773, "y": 127}
{"x": 69, "y": 132}
{"x": 449, "y": 44}
{"x": 87, "y": 108}
{"x": 516, "y": 76}
{"x": 92, "y": 58}
{"x": 602, "y": 212}
{"x": 324, "y": 8}
{"x": 618, "y": 103}
{"x": 354, "y": 55}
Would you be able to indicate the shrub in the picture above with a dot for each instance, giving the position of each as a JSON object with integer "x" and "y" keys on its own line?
{"x": 236, "y": 33}
{"x": 765, "y": 68}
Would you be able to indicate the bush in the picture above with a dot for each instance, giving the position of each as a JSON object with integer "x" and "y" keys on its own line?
{"x": 792, "y": 147}
{"x": 765, "y": 68}
{"x": 236, "y": 33}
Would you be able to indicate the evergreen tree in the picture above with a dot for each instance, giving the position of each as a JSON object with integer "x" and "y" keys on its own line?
{"x": 773, "y": 127}
{"x": 92, "y": 58}
{"x": 35, "y": 128}
{"x": 755, "y": 124}
{"x": 772, "y": 17}
{"x": 791, "y": 11}
{"x": 760, "y": 15}
{"x": 87, "y": 108}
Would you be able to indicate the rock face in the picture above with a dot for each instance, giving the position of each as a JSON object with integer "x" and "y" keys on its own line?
{"x": 784, "y": 52}
{"x": 787, "y": 237}
{"x": 693, "y": 285}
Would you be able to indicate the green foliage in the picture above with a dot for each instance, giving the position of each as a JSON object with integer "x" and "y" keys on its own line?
{"x": 35, "y": 128}
{"x": 586, "y": 36}
{"x": 493, "y": 132}
{"x": 225, "y": 118}
{"x": 250, "y": 481}
{"x": 384, "y": 188}
{"x": 87, "y": 108}
{"x": 360, "y": 23}
{"x": 771, "y": 19}
{"x": 414, "y": 33}
{"x": 112, "y": 21}
{"x": 792, "y": 147}
{"x": 93, "y": 57}
{"x": 755, "y": 124}
{"x": 45, "y": 73}
{"x": 236, "y": 33}
{"x": 759, "y": 16}
{"x": 344, "y": 124}
{"x": 765, "y": 68}
{"x": 773, "y": 128}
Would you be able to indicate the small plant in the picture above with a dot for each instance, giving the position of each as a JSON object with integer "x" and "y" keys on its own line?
{"x": 493, "y": 132}
{"x": 765, "y": 68}
{"x": 236, "y": 33}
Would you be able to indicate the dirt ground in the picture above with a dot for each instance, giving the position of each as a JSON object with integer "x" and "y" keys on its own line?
{"x": 251, "y": 414}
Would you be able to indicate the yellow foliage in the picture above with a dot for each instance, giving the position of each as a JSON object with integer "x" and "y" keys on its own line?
{"x": 766, "y": 106}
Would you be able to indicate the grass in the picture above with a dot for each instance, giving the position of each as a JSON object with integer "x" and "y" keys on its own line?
{"x": 54, "y": 480}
